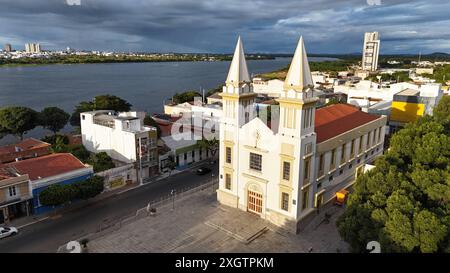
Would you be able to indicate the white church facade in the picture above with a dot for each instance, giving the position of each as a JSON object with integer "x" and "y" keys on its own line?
{"x": 286, "y": 171}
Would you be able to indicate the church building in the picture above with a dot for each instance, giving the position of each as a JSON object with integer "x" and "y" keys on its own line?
{"x": 286, "y": 169}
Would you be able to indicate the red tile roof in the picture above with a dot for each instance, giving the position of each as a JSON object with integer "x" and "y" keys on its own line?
{"x": 337, "y": 119}
{"x": 47, "y": 166}
{"x": 25, "y": 145}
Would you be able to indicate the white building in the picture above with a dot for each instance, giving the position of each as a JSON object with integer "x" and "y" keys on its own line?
{"x": 284, "y": 173}
{"x": 271, "y": 88}
{"x": 366, "y": 93}
{"x": 123, "y": 137}
{"x": 33, "y": 48}
{"x": 371, "y": 50}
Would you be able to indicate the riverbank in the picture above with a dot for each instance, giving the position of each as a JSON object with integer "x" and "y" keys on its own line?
{"x": 95, "y": 59}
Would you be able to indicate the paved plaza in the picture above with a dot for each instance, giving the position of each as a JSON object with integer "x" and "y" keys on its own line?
{"x": 200, "y": 224}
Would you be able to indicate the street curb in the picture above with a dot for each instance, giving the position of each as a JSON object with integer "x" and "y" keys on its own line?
{"x": 34, "y": 222}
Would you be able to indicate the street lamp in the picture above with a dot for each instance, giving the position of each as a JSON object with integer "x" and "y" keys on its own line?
{"x": 173, "y": 199}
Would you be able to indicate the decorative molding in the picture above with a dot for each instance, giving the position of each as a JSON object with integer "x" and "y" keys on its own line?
{"x": 259, "y": 179}
{"x": 255, "y": 149}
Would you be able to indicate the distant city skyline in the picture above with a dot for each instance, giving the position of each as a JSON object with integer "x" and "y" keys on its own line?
{"x": 188, "y": 26}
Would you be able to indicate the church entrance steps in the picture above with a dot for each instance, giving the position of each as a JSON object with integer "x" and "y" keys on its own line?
{"x": 243, "y": 226}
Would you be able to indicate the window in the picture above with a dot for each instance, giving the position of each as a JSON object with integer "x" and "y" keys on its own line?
{"x": 290, "y": 118}
{"x": 285, "y": 201}
{"x": 352, "y": 149}
{"x": 368, "y": 141}
{"x": 306, "y": 171}
{"x": 255, "y": 161}
{"x": 307, "y": 120}
{"x": 247, "y": 117}
{"x": 319, "y": 200}
{"x": 379, "y": 135}
{"x": 83, "y": 117}
{"x": 333, "y": 159}
{"x": 12, "y": 191}
{"x": 321, "y": 164}
{"x": 305, "y": 198}
{"x": 308, "y": 148}
{"x": 185, "y": 156}
{"x": 228, "y": 181}
{"x": 360, "y": 150}
{"x": 374, "y": 137}
{"x": 343, "y": 153}
{"x": 286, "y": 170}
{"x": 193, "y": 155}
{"x": 228, "y": 155}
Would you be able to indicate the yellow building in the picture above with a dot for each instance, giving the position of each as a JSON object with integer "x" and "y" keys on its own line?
{"x": 407, "y": 106}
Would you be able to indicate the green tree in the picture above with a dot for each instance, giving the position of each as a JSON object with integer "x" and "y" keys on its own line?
{"x": 3, "y": 132}
{"x": 52, "y": 139}
{"x": 80, "y": 152}
{"x": 442, "y": 111}
{"x": 90, "y": 187}
{"x": 149, "y": 121}
{"x": 404, "y": 203}
{"x": 101, "y": 162}
{"x": 17, "y": 120}
{"x": 53, "y": 119}
{"x": 212, "y": 145}
{"x": 59, "y": 146}
{"x": 185, "y": 96}
{"x": 101, "y": 102}
{"x": 56, "y": 195}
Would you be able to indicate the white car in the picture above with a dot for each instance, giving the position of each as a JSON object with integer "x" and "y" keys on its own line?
{"x": 7, "y": 231}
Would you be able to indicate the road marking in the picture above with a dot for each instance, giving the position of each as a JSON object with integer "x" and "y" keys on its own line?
{"x": 32, "y": 223}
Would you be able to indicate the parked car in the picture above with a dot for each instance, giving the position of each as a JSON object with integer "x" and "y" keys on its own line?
{"x": 203, "y": 170}
{"x": 7, "y": 231}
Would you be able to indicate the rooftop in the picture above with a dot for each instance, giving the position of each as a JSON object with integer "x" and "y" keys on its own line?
{"x": 24, "y": 145}
{"x": 408, "y": 92}
{"x": 337, "y": 119}
{"x": 46, "y": 166}
{"x": 215, "y": 96}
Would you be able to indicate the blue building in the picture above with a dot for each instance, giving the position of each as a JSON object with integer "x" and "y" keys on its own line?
{"x": 53, "y": 169}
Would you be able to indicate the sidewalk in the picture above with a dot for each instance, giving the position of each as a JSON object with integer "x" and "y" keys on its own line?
{"x": 175, "y": 172}
{"x": 33, "y": 219}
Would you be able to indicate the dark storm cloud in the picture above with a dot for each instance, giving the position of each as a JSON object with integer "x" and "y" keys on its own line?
{"x": 328, "y": 26}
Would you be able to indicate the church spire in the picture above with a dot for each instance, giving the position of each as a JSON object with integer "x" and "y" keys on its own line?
{"x": 299, "y": 75}
{"x": 238, "y": 72}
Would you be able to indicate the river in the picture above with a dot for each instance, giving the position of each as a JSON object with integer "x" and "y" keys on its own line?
{"x": 144, "y": 85}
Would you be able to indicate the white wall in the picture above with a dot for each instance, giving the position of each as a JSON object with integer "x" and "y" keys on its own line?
{"x": 119, "y": 144}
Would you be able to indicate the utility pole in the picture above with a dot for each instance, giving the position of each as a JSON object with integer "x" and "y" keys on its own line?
{"x": 212, "y": 182}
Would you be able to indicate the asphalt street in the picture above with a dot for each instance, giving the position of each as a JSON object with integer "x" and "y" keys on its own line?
{"x": 48, "y": 235}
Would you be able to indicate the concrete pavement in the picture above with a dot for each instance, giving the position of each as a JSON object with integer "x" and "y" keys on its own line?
{"x": 48, "y": 235}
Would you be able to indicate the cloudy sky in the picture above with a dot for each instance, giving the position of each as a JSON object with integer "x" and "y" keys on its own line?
{"x": 273, "y": 26}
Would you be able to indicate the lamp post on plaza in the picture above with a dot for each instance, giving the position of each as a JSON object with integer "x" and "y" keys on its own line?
{"x": 173, "y": 199}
